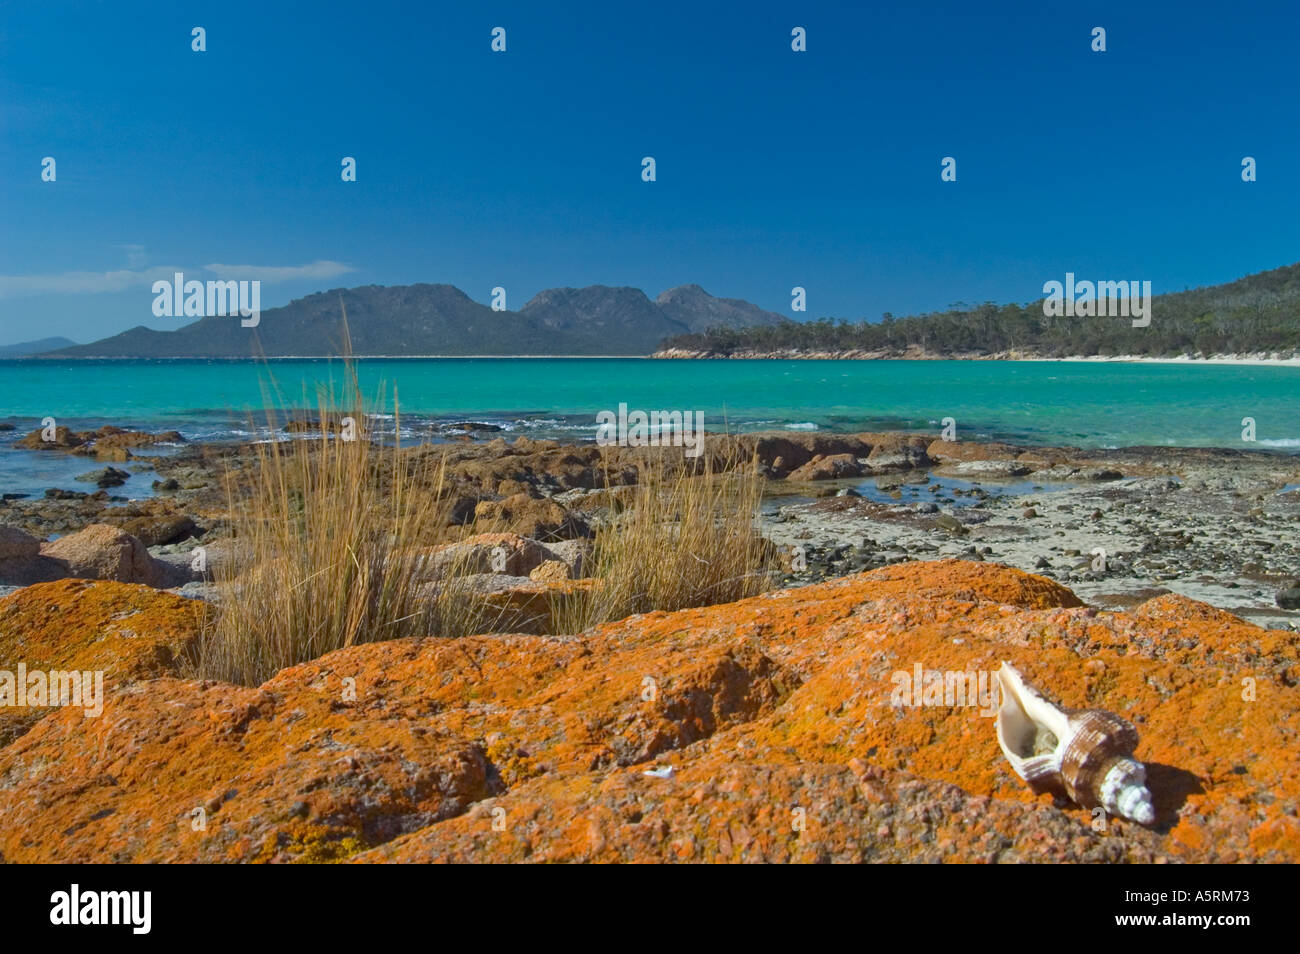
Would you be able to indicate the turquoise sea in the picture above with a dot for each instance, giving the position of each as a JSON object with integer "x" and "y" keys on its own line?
{"x": 1087, "y": 404}
{"x": 1090, "y": 404}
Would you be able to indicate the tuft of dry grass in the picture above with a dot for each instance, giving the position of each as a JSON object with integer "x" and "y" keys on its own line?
{"x": 328, "y": 536}
{"x": 685, "y": 536}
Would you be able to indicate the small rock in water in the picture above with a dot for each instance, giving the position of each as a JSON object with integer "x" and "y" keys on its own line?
{"x": 105, "y": 477}
{"x": 54, "y": 493}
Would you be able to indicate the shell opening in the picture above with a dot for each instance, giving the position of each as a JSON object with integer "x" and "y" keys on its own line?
{"x": 1028, "y": 725}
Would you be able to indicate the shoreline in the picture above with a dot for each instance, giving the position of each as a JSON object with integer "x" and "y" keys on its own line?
{"x": 1259, "y": 359}
{"x": 336, "y": 357}
{"x": 1220, "y": 359}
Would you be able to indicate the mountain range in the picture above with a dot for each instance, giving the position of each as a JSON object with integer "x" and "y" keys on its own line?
{"x": 39, "y": 346}
{"x": 442, "y": 320}
{"x": 1257, "y": 313}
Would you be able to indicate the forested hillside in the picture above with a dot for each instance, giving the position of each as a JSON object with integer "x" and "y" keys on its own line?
{"x": 1258, "y": 313}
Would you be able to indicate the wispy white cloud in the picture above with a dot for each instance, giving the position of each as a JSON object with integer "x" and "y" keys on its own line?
{"x": 280, "y": 273}
{"x": 124, "y": 279}
{"x": 80, "y": 283}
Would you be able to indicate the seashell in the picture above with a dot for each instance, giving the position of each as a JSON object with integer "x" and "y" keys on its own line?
{"x": 1084, "y": 754}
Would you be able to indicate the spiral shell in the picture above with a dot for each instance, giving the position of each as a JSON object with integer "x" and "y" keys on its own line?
{"x": 1083, "y": 754}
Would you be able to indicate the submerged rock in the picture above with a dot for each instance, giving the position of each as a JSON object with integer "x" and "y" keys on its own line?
{"x": 105, "y": 477}
{"x": 40, "y": 439}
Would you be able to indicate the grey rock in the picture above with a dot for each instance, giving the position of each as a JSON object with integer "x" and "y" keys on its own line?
{"x": 105, "y": 477}
{"x": 1100, "y": 474}
{"x": 576, "y": 553}
{"x": 208, "y": 592}
{"x": 990, "y": 468}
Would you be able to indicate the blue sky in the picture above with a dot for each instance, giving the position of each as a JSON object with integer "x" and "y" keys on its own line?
{"x": 522, "y": 169}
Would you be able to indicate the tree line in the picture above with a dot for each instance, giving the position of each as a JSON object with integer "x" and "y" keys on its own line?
{"x": 1257, "y": 313}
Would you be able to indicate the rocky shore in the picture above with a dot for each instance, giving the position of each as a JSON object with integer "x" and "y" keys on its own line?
{"x": 769, "y": 725}
{"x": 915, "y": 353}
{"x": 1118, "y": 526}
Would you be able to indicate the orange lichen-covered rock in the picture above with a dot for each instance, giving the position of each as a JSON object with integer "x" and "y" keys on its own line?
{"x": 188, "y": 771}
{"x": 961, "y": 581}
{"x": 128, "y": 632}
{"x": 850, "y": 720}
{"x": 738, "y": 811}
